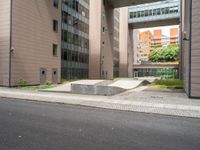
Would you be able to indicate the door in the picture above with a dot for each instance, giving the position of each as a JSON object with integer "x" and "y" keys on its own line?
{"x": 55, "y": 76}
{"x": 43, "y": 75}
{"x": 135, "y": 74}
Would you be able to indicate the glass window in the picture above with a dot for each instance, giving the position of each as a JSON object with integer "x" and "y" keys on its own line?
{"x": 142, "y": 13}
{"x": 163, "y": 11}
{"x": 158, "y": 11}
{"x": 150, "y": 13}
{"x": 167, "y": 10}
{"x": 55, "y": 25}
{"x": 139, "y": 14}
{"x": 55, "y": 3}
{"x": 135, "y": 14}
{"x": 154, "y": 12}
{"x": 55, "y": 50}
{"x": 131, "y": 15}
{"x": 146, "y": 13}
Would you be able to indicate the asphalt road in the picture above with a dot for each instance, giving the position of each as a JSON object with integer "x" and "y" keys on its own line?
{"x": 28, "y": 125}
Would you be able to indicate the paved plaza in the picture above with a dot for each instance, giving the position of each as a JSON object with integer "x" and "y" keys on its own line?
{"x": 176, "y": 104}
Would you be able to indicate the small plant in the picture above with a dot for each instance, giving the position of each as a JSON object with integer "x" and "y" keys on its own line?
{"x": 169, "y": 83}
{"x": 49, "y": 83}
{"x": 22, "y": 82}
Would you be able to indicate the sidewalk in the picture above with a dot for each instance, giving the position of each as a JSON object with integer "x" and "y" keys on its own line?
{"x": 175, "y": 104}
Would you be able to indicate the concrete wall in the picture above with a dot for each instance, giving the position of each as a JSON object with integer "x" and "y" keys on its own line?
{"x": 185, "y": 42}
{"x": 4, "y": 41}
{"x": 130, "y": 53}
{"x": 195, "y": 49}
{"x": 95, "y": 30}
{"x": 101, "y": 58}
{"x": 123, "y": 42}
{"x": 154, "y": 23}
{"x": 33, "y": 37}
{"x": 191, "y": 47}
{"x": 107, "y": 39}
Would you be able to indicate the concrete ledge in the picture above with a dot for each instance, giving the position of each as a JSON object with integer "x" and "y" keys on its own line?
{"x": 109, "y": 87}
{"x": 95, "y": 90}
{"x": 100, "y": 87}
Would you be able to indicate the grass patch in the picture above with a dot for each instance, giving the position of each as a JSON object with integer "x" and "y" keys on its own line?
{"x": 68, "y": 80}
{"x": 36, "y": 88}
{"x": 169, "y": 84}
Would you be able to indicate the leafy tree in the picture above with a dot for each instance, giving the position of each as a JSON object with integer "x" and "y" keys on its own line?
{"x": 165, "y": 54}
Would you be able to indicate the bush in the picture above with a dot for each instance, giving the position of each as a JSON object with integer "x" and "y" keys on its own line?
{"x": 170, "y": 83}
{"x": 22, "y": 82}
{"x": 49, "y": 83}
{"x": 165, "y": 54}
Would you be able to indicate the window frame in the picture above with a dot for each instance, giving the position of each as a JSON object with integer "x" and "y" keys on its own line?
{"x": 55, "y": 50}
{"x": 55, "y": 3}
{"x": 55, "y": 25}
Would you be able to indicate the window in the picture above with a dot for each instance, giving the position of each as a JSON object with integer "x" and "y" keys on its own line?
{"x": 55, "y": 25}
{"x": 131, "y": 15}
{"x": 103, "y": 29}
{"x": 139, "y": 14}
{"x": 158, "y": 11}
{"x": 146, "y": 13}
{"x": 55, "y": 3}
{"x": 154, "y": 12}
{"x": 150, "y": 13}
{"x": 135, "y": 14}
{"x": 55, "y": 50}
{"x": 142, "y": 13}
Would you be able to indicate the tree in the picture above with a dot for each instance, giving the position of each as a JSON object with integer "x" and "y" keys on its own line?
{"x": 165, "y": 54}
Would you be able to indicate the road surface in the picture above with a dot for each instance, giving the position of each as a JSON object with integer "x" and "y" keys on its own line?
{"x": 26, "y": 125}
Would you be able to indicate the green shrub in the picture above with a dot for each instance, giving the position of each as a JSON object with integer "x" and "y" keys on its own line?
{"x": 165, "y": 54}
{"x": 49, "y": 83}
{"x": 22, "y": 82}
{"x": 170, "y": 83}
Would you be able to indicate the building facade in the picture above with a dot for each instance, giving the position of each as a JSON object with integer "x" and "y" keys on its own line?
{"x": 148, "y": 40}
{"x": 157, "y": 38}
{"x": 43, "y": 41}
{"x": 144, "y": 46}
{"x": 33, "y": 42}
{"x": 75, "y": 39}
{"x": 190, "y": 45}
{"x": 105, "y": 40}
{"x": 174, "y": 36}
{"x": 33, "y": 33}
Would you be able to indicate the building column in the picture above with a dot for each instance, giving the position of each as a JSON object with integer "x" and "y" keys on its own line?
{"x": 125, "y": 45}
{"x": 95, "y": 30}
{"x": 101, "y": 40}
{"x": 191, "y": 47}
{"x": 107, "y": 58}
{"x": 130, "y": 53}
{"x": 194, "y": 48}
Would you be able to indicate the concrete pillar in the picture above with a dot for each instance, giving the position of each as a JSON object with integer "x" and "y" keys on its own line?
{"x": 191, "y": 47}
{"x": 180, "y": 74}
{"x": 194, "y": 51}
{"x": 101, "y": 40}
{"x": 95, "y": 31}
{"x": 125, "y": 45}
{"x": 185, "y": 30}
{"x": 130, "y": 53}
{"x": 107, "y": 58}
